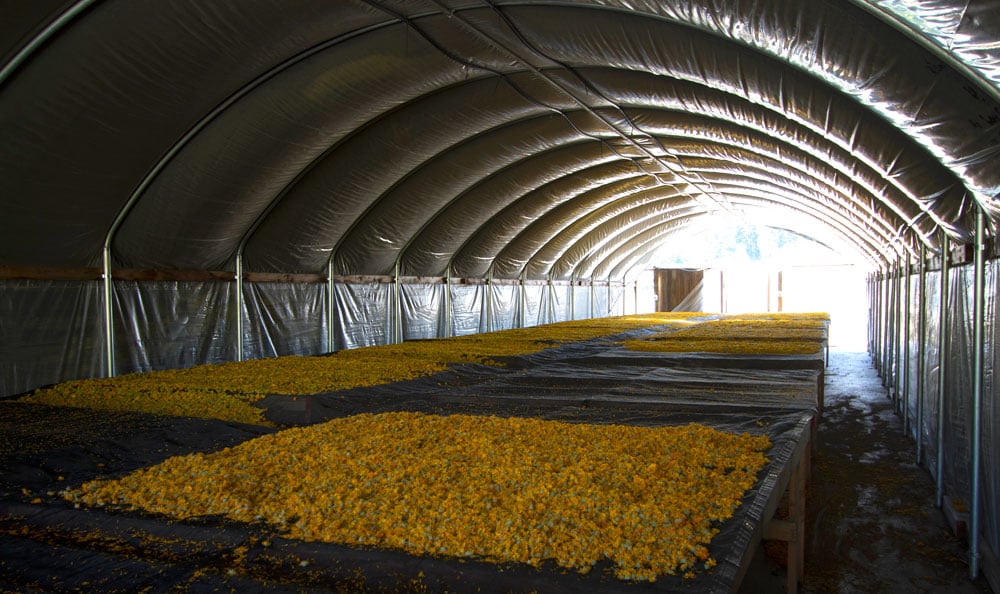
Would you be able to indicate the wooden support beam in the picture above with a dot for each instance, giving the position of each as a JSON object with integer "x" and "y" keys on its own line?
{"x": 46, "y": 273}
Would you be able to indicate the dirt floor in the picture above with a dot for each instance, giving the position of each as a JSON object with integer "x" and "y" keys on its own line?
{"x": 872, "y": 524}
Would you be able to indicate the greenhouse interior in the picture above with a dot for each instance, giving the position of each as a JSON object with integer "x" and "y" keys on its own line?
{"x": 499, "y": 296}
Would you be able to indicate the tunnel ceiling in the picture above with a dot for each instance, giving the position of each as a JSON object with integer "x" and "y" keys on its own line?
{"x": 513, "y": 139}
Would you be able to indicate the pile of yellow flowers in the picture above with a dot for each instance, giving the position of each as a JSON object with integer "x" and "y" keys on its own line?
{"x": 751, "y": 334}
{"x": 226, "y": 391}
{"x": 499, "y": 489}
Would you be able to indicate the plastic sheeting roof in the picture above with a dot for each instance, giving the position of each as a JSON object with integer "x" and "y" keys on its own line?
{"x": 505, "y": 139}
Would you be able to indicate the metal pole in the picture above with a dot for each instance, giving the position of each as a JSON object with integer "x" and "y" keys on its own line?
{"x": 977, "y": 390}
{"x": 873, "y": 317}
{"x": 781, "y": 291}
{"x": 890, "y": 320}
{"x": 523, "y": 293}
{"x": 572, "y": 299}
{"x": 874, "y": 287}
{"x": 239, "y": 305}
{"x": 109, "y": 325}
{"x": 879, "y": 284}
{"x": 552, "y": 300}
{"x": 906, "y": 347}
{"x": 331, "y": 308}
{"x": 877, "y": 335}
{"x": 898, "y": 335}
{"x": 921, "y": 354}
{"x": 943, "y": 348}
{"x": 887, "y": 340}
{"x": 488, "y": 296}
{"x": 886, "y": 355}
{"x": 447, "y": 302}
{"x": 868, "y": 302}
{"x": 592, "y": 297}
{"x": 394, "y": 310}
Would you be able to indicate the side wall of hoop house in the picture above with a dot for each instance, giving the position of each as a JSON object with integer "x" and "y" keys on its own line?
{"x": 50, "y": 331}
{"x": 53, "y": 330}
{"x": 904, "y": 382}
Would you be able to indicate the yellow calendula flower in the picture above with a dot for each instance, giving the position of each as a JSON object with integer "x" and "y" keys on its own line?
{"x": 499, "y": 489}
{"x": 226, "y": 391}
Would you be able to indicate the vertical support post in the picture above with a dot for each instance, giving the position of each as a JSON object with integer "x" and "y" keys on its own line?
{"x": 906, "y": 346}
{"x": 884, "y": 339}
{"x": 868, "y": 302}
{"x": 395, "y": 312}
{"x": 447, "y": 302}
{"x": 877, "y": 319}
{"x": 943, "y": 347}
{"x": 921, "y": 352}
{"x": 239, "y": 305}
{"x": 488, "y": 297}
{"x": 879, "y": 322}
{"x": 886, "y": 332}
{"x": 890, "y": 314}
{"x": 109, "y": 324}
{"x": 552, "y": 300}
{"x": 592, "y": 297}
{"x": 522, "y": 315}
{"x": 876, "y": 289}
{"x": 572, "y": 298}
{"x": 331, "y": 308}
{"x": 977, "y": 389}
{"x": 722, "y": 291}
{"x": 635, "y": 303}
{"x": 781, "y": 289}
{"x": 899, "y": 336}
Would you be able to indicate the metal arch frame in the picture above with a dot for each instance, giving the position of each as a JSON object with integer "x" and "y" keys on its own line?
{"x": 614, "y": 236}
{"x": 53, "y": 27}
{"x": 806, "y": 199}
{"x": 595, "y": 185}
{"x": 763, "y": 169}
{"x": 597, "y": 233}
{"x": 613, "y": 267}
{"x": 856, "y": 241}
{"x": 601, "y": 183}
{"x": 442, "y": 211}
{"x": 919, "y": 235}
{"x": 589, "y": 212}
{"x": 606, "y": 191}
{"x": 551, "y": 146}
{"x": 757, "y": 196}
{"x": 865, "y": 228}
{"x": 869, "y": 249}
{"x": 568, "y": 92}
{"x": 822, "y": 136}
{"x": 162, "y": 163}
{"x": 802, "y": 128}
{"x": 801, "y": 165}
{"x": 846, "y": 144}
{"x": 917, "y": 35}
{"x": 107, "y": 266}
{"x": 890, "y": 20}
{"x": 632, "y": 257}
